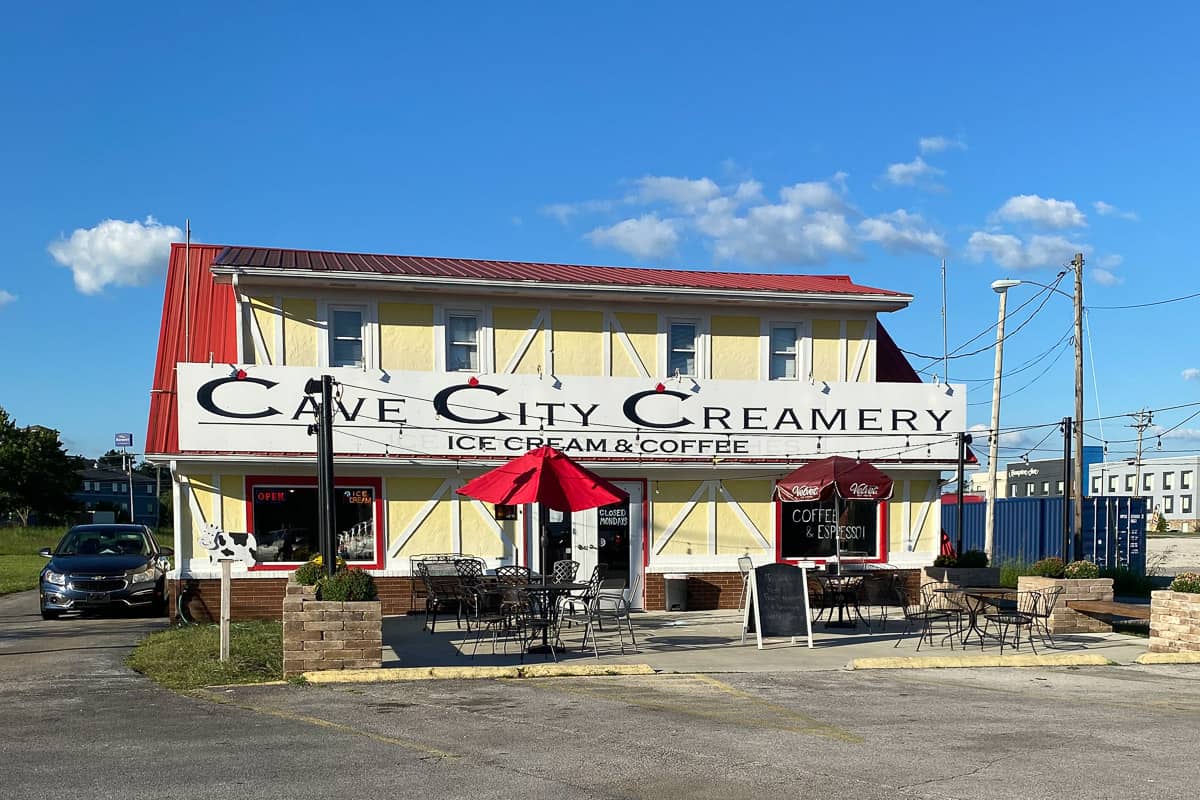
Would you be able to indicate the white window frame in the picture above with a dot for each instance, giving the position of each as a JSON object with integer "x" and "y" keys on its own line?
{"x": 796, "y": 354}
{"x": 369, "y": 330}
{"x": 1168, "y": 478}
{"x": 698, "y": 348}
{"x": 482, "y": 339}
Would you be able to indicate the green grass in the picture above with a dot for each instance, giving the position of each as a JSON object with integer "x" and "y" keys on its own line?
{"x": 20, "y": 564}
{"x": 184, "y": 658}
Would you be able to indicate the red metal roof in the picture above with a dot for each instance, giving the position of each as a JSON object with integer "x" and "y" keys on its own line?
{"x": 198, "y": 327}
{"x": 251, "y": 258}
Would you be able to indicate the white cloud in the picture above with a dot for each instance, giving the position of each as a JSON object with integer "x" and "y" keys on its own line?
{"x": 564, "y": 211}
{"x": 1190, "y": 374}
{"x": 1108, "y": 210}
{"x": 901, "y": 231}
{"x": 1186, "y": 434}
{"x": 1011, "y": 253}
{"x": 645, "y": 237}
{"x": 909, "y": 172}
{"x": 980, "y": 434}
{"x": 1106, "y": 277}
{"x": 116, "y": 253}
{"x": 683, "y": 192}
{"x": 1041, "y": 211}
{"x": 6, "y": 297}
{"x": 936, "y": 144}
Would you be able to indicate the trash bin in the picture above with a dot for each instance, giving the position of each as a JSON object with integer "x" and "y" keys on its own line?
{"x": 676, "y": 591}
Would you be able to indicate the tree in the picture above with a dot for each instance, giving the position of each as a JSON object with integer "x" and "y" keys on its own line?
{"x": 115, "y": 460}
{"x": 36, "y": 474}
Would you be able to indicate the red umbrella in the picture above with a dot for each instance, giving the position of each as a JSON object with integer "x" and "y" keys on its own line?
{"x": 547, "y": 477}
{"x": 834, "y": 478}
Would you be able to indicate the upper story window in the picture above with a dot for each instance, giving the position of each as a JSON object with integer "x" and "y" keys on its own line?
{"x": 1168, "y": 505}
{"x": 1095, "y": 486}
{"x": 345, "y": 337}
{"x": 783, "y": 352}
{"x": 1059, "y": 486}
{"x": 1168, "y": 480}
{"x": 1185, "y": 479}
{"x": 1129, "y": 484}
{"x": 1148, "y": 482}
{"x": 681, "y": 349}
{"x": 1112, "y": 485}
{"x": 1045, "y": 487}
{"x": 462, "y": 343}
{"x": 1185, "y": 504}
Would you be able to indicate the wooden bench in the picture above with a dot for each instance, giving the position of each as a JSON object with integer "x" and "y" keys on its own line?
{"x": 1110, "y": 610}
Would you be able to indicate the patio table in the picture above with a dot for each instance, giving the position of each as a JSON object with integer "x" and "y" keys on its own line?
{"x": 843, "y": 590}
{"x": 549, "y": 593}
{"x": 976, "y": 599}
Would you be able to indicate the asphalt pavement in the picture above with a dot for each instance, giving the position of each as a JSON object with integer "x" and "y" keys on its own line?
{"x": 75, "y": 722}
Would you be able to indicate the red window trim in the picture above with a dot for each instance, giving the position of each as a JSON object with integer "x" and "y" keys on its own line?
{"x": 344, "y": 482}
{"x": 881, "y": 527}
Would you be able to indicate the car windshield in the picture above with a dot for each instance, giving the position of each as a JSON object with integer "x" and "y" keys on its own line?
{"x": 104, "y": 542}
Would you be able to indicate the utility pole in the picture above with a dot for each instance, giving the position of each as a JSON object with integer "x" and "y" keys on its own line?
{"x": 1078, "y": 471}
{"x": 1142, "y": 420}
{"x": 1066, "y": 509}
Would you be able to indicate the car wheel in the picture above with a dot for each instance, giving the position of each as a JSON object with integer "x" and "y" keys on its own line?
{"x": 48, "y": 614}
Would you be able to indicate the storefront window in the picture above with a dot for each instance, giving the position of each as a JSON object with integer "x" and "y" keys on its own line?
{"x": 462, "y": 343}
{"x": 807, "y": 530}
{"x": 285, "y": 522}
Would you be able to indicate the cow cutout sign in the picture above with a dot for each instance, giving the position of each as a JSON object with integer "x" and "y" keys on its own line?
{"x": 224, "y": 546}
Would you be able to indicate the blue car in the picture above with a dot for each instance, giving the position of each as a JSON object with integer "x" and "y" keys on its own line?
{"x": 104, "y": 567}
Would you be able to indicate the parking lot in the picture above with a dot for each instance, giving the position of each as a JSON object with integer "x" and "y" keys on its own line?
{"x": 76, "y": 720}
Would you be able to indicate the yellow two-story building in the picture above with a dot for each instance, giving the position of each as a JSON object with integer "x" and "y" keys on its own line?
{"x": 694, "y": 391}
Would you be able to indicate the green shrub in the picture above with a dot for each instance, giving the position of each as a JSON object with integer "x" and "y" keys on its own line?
{"x": 1010, "y": 571}
{"x": 1051, "y": 567}
{"x": 973, "y": 559}
{"x": 1127, "y": 582}
{"x": 1186, "y": 582}
{"x": 1081, "y": 569}
{"x": 945, "y": 561}
{"x": 1161, "y": 525}
{"x": 308, "y": 574}
{"x": 349, "y": 585}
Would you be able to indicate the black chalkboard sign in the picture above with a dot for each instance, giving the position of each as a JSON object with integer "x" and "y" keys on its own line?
{"x": 777, "y": 604}
{"x": 807, "y": 529}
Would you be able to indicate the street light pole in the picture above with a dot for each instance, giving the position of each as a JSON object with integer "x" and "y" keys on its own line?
{"x": 1001, "y": 288}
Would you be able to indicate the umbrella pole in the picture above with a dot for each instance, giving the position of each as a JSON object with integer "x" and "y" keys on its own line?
{"x": 837, "y": 532}
{"x": 543, "y": 523}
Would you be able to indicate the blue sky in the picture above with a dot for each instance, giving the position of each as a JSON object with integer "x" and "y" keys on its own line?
{"x": 870, "y": 141}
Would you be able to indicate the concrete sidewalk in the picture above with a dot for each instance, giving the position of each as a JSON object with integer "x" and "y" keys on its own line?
{"x": 710, "y": 641}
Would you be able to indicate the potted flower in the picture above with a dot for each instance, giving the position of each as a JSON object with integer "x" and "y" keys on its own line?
{"x": 968, "y": 569}
{"x": 1175, "y": 616}
{"x": 1079, "y": 580}
{"x": 331, "y": 621}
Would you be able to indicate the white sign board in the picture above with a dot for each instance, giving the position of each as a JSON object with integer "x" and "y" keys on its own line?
{"x": 263, "y": 409}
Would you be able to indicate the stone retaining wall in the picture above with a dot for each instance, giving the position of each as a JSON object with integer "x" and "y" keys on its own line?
{"x": 1174, "y": 622}
{"x": 329, "y": 635}
{"x": 1066, "y": 620}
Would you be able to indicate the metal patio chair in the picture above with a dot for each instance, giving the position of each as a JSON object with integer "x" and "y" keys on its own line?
{"x": 1021, "y": 616}
{"x": 924, "y": 614}
{"x": 609, "y": 603}
{"x": 1045, "y": 607}
{"x": 564, "y": 571}
{"x": 441, "y": 592}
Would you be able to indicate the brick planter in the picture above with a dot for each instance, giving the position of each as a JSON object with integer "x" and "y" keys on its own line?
{"x": 1174, "y": 622}
{"x": 329, "y": 635}
{"x": 1066, "y": 620}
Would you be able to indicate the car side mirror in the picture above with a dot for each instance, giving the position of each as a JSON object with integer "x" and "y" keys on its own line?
{"x": 45, "y": 553}
{"x": 166, "y": 552}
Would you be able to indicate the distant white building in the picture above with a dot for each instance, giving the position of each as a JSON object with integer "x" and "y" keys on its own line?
{"x": 1168, "y": 483}
{"x": 977, "y": 483}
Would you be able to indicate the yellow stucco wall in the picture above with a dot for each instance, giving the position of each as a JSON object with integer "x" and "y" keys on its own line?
{"x": 233, "y": 503}
{"x": 909, "y": 499}
{"x": 735, "y": 347}
{"x": 204, "y": 490}
{"x": 826, "y": 349}
{"x": 856, "y": 340}
{"x": 263, "y": 314}
{"x": 477, "y": 528}
{"x": 406, "y": 498}
{"x": 691, "y": 538}
{"x": 642, "y": 331}
{"x": 754, "y": 498}
{"x": 578, "y": 346}
{"x": 406, "y": 336}
{"x": 509, "y": 327}
{"x": 300, "y": 331}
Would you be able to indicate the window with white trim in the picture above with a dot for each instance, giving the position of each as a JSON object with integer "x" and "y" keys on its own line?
{"x": 1095, "y": 486}
{"x": 784, "y": 341}
{"x": 346, "y": 337}
{"x": 1129, "y": 483}
{"x": 462, "y": 342}
{"x": 1112, "y": 485}
{"x": 1148, "y": 482}
{"x": 681, "y": 348}
{"x": 1185, "y": 504}
{"x": 1168, "y": 480}
{"x": 1185, "y": 479}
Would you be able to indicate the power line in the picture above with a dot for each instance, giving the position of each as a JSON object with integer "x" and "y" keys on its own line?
{"x": 1147, "y": 305}
{"x": 1037, "y": 378}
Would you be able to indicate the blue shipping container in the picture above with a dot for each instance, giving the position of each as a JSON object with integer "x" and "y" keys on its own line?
{"x": 1030, "y": 528}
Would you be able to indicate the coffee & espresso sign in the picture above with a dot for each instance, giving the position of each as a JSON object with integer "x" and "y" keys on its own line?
{"x": 225, "y": 408}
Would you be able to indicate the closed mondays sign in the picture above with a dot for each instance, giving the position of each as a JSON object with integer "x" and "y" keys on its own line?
{"x": 256, "y": 409}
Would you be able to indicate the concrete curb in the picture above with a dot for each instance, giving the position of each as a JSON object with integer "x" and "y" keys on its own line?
{"x": 959, "y": 662}
{"x": 1169, "y": 658}
{"x": 475, "y": 673}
